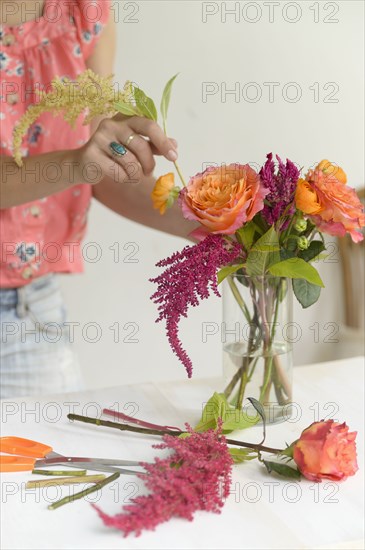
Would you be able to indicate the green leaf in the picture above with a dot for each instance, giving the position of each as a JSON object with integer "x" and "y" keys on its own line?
{"x": 165, "y": 101}
{"x": 215, "y": 408}
{"x": 228, "y": 270}
{"x": 296, "y": 268}
{"x": 314, "y": 249}
{"x": 282, "y": 469}
{"x": 261, "y": 411}
{"x": 145, "y": 104}
{"x": 126, "y": 108}
{"x": 306, "y": 293}
{"x": 218, "y": 407}
{"x": 241, "y": 455}
{"x": 285, "y": 254}
{"x": 263, "y": 253}
{"x": 236, "y": 419}
{"x": 245, "y": 235}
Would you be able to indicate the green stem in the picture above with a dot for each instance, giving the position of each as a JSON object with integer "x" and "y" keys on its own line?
{"x": 180, "y": 174}
{"x": 252, "y": 369}
{"x": 268, "y": 367}
{"x": 247, "y": 362}
{"x": 175, "y": 433}
{"x": 84, "y": 493}
{"x": 122, "y": 427}
{"x": 238, "y": 298}
{"x": 59, "y": 472}
{"x": 231, "y": 386}
{"x": 242, "y": 373}
{"x": 289, "y": 228}
{"x": 267, "y": 344}
{"x": 177, "y": 167}
{"x": 58, "y": 481}
{"x": 243, "y": 384}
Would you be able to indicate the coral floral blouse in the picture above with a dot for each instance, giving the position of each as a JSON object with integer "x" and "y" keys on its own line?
{"x": 44, "y": 236}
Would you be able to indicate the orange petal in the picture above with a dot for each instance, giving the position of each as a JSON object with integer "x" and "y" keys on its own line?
{"x": 161, "y": 191}
{"x": 332, "y": 170}
{"x": 306, "y": 198}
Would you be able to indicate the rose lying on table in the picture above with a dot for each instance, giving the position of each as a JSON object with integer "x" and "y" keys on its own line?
{"x": 326, "y": 450}
{"x": 197, "y": 475}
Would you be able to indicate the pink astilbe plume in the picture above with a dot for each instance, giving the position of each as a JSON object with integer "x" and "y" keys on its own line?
{"x": 190, "y": 275}
{"x": 197, "y": 476}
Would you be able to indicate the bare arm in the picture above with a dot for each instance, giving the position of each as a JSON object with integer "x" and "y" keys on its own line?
{"x": 47, "y": 174}
{"x": 40, "y": 176}
{"x": 134, "y": 202}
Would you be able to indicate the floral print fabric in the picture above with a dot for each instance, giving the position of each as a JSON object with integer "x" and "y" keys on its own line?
{"x": 44, "y": 236}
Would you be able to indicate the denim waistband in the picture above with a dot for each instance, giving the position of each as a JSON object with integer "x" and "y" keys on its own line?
{"x": 13, "y": 297}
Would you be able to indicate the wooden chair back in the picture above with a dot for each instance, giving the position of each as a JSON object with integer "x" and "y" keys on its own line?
{"x": 352, "y": 257}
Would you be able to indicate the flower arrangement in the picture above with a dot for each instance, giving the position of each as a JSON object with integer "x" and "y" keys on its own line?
{"x": 262, "y": 230}
{"x": 274, "y": 217}
{"x": 253, "y": 225}
{"x": 258, "y": 228}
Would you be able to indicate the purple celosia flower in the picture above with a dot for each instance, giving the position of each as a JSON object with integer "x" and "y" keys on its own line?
{"x": 190, "y": 275}
{"x": 197, "y": 476}
{"x": 282, "y": 187}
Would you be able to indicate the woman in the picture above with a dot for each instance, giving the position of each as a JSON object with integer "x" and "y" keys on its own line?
{"x": 44, "y": 204}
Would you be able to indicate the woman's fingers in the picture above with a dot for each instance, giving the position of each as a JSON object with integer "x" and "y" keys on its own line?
{"x": 156, "y": 151}
{"x": 138, "y": 148}
{"x": 152, "y": 130}
{"x": 136, "y": 141}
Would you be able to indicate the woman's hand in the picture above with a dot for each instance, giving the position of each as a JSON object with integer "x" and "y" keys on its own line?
{"x": 96, "y": 160}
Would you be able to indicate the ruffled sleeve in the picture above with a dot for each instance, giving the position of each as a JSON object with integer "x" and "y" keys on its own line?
{"x": 90, "y": 17}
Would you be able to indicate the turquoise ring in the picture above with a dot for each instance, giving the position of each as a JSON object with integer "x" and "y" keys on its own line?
{"x": 117, "y": 149}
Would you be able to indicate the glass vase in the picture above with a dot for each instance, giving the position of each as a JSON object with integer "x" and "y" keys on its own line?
{"x": 257, "y": 343}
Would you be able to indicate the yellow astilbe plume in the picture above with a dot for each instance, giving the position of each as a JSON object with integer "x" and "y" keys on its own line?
{"x": 89, "y": 93}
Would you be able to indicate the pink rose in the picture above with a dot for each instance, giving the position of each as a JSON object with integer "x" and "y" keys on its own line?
{"x": 326, "y": 450}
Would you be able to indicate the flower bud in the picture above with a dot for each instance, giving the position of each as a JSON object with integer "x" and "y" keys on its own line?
{"x": 301, "y": 225}
{"x": 303, "y": 243}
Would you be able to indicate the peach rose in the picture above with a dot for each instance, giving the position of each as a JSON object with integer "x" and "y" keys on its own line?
{"x": 326, "y": 450}
{"x": 223, "y": 198}
{"x": 164, "y": 192}
{"x": 332, "y": 170}
{"x": 332, "y": 206}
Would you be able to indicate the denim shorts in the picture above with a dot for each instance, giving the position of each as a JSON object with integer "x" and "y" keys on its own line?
{"x": 36, "y": 356}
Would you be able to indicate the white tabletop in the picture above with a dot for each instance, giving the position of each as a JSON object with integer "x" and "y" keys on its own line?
{"x": 262, "y": 512}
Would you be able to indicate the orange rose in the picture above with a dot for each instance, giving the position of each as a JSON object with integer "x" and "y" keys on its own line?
{"x": 332, "y": 206}
{"x": 306, "y": 198}
{"x": 164, "y": 192}
{"x": 326, "y": 450}
{"x": 223, "y": 198}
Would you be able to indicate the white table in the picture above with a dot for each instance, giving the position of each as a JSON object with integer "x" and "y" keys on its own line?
{"x": 262, "y": 512}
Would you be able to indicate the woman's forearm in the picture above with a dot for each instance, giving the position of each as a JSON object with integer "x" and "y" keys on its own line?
{"x": 39, "y": 177}
{"x": 133, "y": 201}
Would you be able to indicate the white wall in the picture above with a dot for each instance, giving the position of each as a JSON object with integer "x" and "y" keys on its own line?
{"x": 168, "y": 37}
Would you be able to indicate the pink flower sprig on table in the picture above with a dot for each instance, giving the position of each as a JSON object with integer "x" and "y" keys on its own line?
{"x": 189, "y": 276}
{"x": 197, "y": 476}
